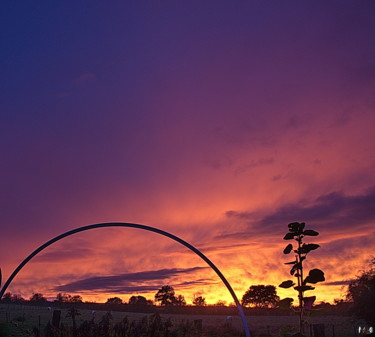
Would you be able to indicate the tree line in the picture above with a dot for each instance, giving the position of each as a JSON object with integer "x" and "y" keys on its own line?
{"x": 260, "y": 296}
{"x": 165, "y": 296}
{"x": 257, "y": 296}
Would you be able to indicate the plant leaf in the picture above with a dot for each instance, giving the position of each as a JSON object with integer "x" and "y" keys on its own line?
{"x": 285, "y": 303}
{"x": 308, "y": 302}
{"x": 304, "y": 288}
{"x": 306, "y": 248}
{"x": 297, "y": 266}
{"x": 291, "y": 262}
{"x": 289, "y": 236}
{"x": 310, "y": 232}
{"x": 315, "y": 276}
{"x": 287, "y": 284}
{"x": 296, "y": 227}
{"x": 288, "y": 249}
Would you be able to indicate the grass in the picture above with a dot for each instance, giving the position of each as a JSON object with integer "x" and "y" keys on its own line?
{"x": 19, "y": 320}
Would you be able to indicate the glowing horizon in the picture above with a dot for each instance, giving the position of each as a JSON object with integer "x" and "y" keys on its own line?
{"x": 195, "y": 278}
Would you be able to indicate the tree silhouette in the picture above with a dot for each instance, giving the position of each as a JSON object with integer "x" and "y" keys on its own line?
{"x": 75, "y": 299}
{"x": 166, "y": 296}
{"x": 38, "y": 297}
{"x": 361, "y": 293}
{"x": 199, "y": 301}
{"x": 9, "y": 297}
{"x": 114, "y": 300}
{"x": 220, "y": 303}
{"x": 60, "y": 297}
{"x": 297, "y": 232}
{"x": 180, "y": 301}
{"x": 261, "y": 296}
{"x": 66, "y": 298}
{"x": 138, "y": 300}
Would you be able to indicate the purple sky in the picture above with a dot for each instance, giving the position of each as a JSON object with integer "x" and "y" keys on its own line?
{"x": 220, "y": 122}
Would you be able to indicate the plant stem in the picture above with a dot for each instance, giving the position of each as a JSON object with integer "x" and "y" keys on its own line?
{"x": 300, "y": 283}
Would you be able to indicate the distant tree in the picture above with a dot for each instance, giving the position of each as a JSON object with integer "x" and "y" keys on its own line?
{"x": 261, "y": 296}
{"x": 220, "y": 303}
{"x": 75, "y": 299}
{"x": 60, "y": 297}
{"x": 114, "y": 300}
{"x": 7, "y": 297}
{"x": 66, "y": 298}
{"x": 180, "y": 301}
{"x": 38, "y": 297}
{"x": 138, "y": 300}
{"x": 324, "y": 304}
{"x": 17, "y": 298}
{"x": 165, "y": 296}
{"x": 199, "y": 301}
{"x": 361, "y": 293}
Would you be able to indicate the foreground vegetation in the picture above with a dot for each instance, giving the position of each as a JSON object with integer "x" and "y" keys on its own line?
{"x": 38, "y": 321}
{"x": 24, "y": 320}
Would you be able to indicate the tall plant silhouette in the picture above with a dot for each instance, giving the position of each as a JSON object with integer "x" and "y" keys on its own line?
{"x": 297, "y": 232}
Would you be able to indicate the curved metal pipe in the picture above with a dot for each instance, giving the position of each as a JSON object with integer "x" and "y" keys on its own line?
{"x": 138, "y": 226}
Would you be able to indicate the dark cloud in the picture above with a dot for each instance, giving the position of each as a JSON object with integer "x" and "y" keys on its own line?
{"x": 127, "y": 283}
{"x": 234, "y": 235}
{"x": 337, "y": 283}
{"x": 347, "y": 246}
{"x": 208, "y": 247}
{"x": 326, "y": 211}
{"x": 119, "y": 290}
{"x": 131, "y": 289}
{"x": 334, "y": 209}
{"x": 187, "y": 284}
{"x": 63, "y": 255}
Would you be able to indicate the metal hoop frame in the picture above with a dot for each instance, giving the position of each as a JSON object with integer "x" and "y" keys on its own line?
{"x": 138, "y": 226}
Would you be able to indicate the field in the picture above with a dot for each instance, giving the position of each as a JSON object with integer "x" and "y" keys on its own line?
{"x": 21, "y": 319}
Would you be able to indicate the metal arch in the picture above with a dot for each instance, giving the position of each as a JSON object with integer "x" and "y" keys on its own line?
{"x": 144, "y": 227}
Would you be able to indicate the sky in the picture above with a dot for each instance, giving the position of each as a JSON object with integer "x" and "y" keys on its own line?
{"x": 217, "y": 121}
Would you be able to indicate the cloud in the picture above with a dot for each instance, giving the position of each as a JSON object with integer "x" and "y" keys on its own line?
{"x": 349, "y": 245}
{"x": 326, "y": 211}
{"x": 64, "y": 255}
{"x": 209, "y": 247}
{"x": 130, "y": 282}
{"x": 338, "y": 283}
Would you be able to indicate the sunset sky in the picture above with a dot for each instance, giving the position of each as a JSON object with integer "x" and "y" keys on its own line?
{"x": 217, "y": 121}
